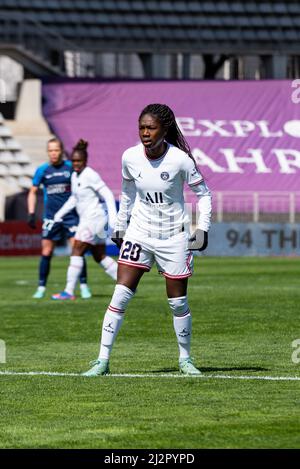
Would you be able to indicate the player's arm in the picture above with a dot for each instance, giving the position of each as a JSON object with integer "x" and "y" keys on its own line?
{"x": 66, "y": 208}
{"x": 126, "y": 205}
{"x": 199, "y": 239}
{"x": 37, "y": 180}
{"x": 31, "y": 206}
{"x": 106, "y": 194}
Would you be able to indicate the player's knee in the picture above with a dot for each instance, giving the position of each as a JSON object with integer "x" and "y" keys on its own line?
{"x": 47, "y": 252}
{"x": 78, "y": 248}
{"x": 179, "y": 306}
{"x": 120, "y": 299}
{"x": 98, "y": 256}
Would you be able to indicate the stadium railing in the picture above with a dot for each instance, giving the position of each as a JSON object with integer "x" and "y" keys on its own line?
{"x": 273, "y": 207}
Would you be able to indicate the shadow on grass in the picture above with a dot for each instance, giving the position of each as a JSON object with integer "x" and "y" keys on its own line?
{"x": 209, "y": 369}
{"x": 97, "y": 295}
{"x": 234, "y": 368}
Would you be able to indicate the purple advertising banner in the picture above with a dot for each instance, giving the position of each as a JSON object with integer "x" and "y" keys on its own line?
{"x": 245, "y": 135}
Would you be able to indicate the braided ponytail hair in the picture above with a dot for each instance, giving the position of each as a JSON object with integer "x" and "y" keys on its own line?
{"x": 81, "y": 148}
{"x": 166, "y": 116}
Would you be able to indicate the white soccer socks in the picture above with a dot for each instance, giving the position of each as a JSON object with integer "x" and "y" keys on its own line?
{"x": 110, "y": 266}
{"x": 74, "y": 270}
{"x": 113, "y": 319}
{"x": 182, "y": 321}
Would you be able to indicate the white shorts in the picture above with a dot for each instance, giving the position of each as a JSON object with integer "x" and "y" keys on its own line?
{"x": 93, "y": 231}
{"x": 173, "y": 258}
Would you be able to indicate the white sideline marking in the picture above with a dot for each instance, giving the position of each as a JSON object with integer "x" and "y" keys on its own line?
{"x": 150, "y": 375}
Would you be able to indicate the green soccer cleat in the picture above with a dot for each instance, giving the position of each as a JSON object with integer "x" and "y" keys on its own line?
{"x": 187, "y": 368}
{"x": 39, "y": 294}
{"x": 85, "y": 292}
{"x": 99, "y": 368}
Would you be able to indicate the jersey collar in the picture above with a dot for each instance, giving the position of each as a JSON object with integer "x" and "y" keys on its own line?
{"x": 161, "y": 157}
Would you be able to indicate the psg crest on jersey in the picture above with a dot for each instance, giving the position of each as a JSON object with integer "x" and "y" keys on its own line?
{"x": 164, "y": 175}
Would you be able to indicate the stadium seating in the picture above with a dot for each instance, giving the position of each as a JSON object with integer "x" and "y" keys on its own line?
{"x": 5, "y": 131}
{"x": 15, "y": 166}
{"x": 121, "y": 23}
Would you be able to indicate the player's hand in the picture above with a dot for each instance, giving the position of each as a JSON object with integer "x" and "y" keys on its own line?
{"x": 56, "y": 219}
{"x": 31, "y": 221}
{"x": 117, "y": 238}
{"x": 48, "y": 224}
{"x": 198, "y": 240}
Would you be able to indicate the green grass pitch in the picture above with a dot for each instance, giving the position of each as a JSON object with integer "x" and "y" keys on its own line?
{"x": 245, "y": 317}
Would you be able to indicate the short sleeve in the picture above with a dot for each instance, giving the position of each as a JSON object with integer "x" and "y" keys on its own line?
{"x": 38, "y": 175}
{"x": 191, "y": 174}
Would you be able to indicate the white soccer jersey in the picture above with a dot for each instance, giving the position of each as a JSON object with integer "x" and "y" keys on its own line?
{"x": 89, "y": 193}
{"x": 85, "y": 188}
{"x": 156, "y": 188}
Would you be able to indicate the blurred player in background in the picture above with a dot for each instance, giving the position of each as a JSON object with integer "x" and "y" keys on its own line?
{"x": 89, "y": 193}
{"x": 154, "y": 173}
{"x": 55, "y": 176}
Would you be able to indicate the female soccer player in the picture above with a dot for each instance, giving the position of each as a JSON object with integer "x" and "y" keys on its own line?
{"x": 55, "y": 176}
{"x": 88, "y": 194}
{"x": 154, "y": 173}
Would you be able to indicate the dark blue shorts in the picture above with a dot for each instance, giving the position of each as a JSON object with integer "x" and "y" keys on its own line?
{"x": 59, "y": 231}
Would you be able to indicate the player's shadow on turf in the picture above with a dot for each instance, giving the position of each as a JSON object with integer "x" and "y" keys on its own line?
{"x": 165, "y": 370}
{"x": 98, "y": 295}
{"x": 209, "y": 369}
{"x": 234, "y": 368}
